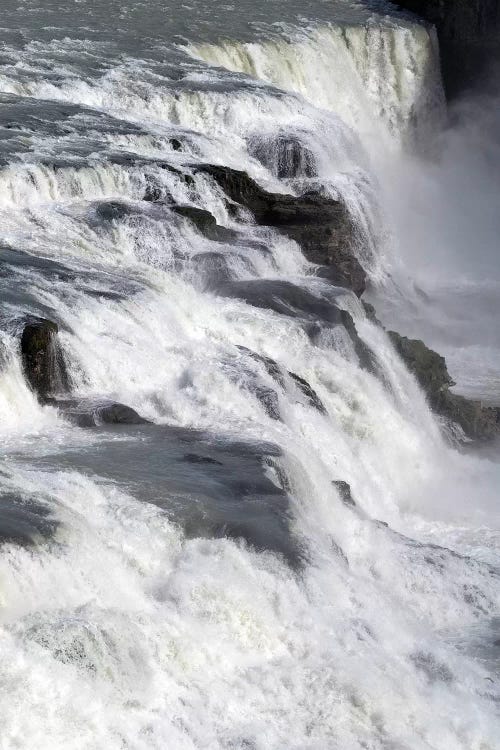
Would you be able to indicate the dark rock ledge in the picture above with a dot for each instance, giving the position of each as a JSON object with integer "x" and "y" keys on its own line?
{"x": 477, "y": 421}
{"x": 47, "y": 376}
{"x": 319, "y": 224}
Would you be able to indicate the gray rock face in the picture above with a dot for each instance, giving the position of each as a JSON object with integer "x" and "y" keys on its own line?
{"x": 469, "y": 36}
{"x": 478, "y": 422}
{"x": 42, "y": 358}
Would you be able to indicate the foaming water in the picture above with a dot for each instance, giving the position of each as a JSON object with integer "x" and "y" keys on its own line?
{"x": 202, "y": 579}
{"x": 390, "y": 73}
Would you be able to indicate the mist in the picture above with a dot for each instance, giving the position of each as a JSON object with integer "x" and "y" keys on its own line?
{"x": 442, "y": 253}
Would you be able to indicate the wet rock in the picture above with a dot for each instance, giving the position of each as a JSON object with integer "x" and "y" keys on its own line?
{"x": 371, "y": 313}
{"x": 272, "y": 367}
{"x": 284, "y": 298}
{"x": 269, "y": 400}
{"x": 309, "y": 392}
{"x": 113, "y": 210}
{"x": 42, "y": 359}
{"x": 469, "y": 35}
{"x": 175, "y": 144}
{"x": 284, "y": 155}
{"x": 153, "y": 193}
{"x": 319, "y": 224}
{"x": 429, "y": 368}
{"x": 84, "y": 413}
{"x": 366, "y": 359}
{"x": 24, "y": 521}
{"x": 344, "y": 490}
{"x": 212, "y": 268}
{"x": 202, "y": 219}
{"x": 345, "y": 271}
{"x": 205, "y": 223}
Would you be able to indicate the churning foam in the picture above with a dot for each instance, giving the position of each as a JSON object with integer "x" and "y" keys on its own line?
{"x": 123, "y": 633}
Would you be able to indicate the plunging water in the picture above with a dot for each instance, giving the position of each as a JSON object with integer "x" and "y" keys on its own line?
{"x": 202, "y": 579}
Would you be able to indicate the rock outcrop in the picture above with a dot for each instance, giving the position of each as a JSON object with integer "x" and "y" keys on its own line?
{"x": 477, "y": 421}
{"x": 42, "y": 358}
{"x": 469, "y": 36}
{"x": 319, "y": 224}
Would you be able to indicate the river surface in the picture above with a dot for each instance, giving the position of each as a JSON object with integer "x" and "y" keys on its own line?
{"x": 201, "y": 581}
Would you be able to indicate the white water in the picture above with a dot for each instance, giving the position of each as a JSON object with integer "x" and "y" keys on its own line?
{"x": 382, "y": 80}
{"x": 122, "y": 632}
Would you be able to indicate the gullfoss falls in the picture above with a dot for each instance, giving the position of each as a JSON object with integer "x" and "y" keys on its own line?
{"x": 242, "y": 505}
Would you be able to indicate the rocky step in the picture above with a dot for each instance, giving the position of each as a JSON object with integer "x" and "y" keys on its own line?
{"x": 42, "y": 358}
{"x": 319, "y": 224}
{"x": 477, "y": 421}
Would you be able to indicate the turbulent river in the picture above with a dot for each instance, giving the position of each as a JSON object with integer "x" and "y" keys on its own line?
{"x": 205, "y": 579}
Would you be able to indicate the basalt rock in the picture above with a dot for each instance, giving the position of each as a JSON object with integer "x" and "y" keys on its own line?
{"x": 477, "y": 421}
{"x": 344, "y": 490}
{"x": 43, "y": 363}
{"x": 469, "y": 36}
{"x": 319, "y": 224}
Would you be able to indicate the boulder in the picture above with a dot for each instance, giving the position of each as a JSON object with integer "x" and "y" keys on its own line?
{"x": 88, "y": 413}
{"x": 42, "y": 359}
{"x": 477, "y": 421}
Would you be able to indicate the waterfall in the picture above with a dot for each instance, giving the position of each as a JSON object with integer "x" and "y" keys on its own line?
{"x": 278, "y": 545}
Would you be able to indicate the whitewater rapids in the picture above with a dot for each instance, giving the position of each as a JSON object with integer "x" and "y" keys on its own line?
{"x": 201, "y": 582}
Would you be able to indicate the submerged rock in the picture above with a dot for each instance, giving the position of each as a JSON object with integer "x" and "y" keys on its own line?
{"x": 429, "y": 367}
{"x": 319, "y": 224}
{"x": 85, "y": 413}
{"x": 366, "y": 359}
{"x": 205, "y": 222}
{"x": 43, "y": 363}
{"x": 309, "y": 392}
{"x": 344, "y": 490}
{"x": 284, "y": 298}
{"x": 195, "y": 458}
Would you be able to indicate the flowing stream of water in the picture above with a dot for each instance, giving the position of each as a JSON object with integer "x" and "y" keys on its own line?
{"x": 200, "y": 581}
